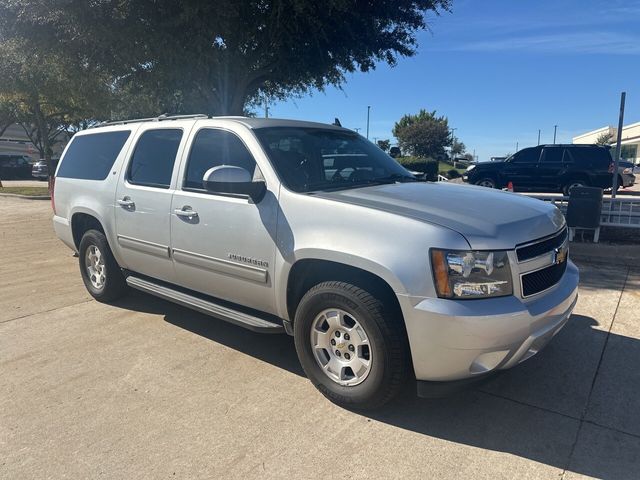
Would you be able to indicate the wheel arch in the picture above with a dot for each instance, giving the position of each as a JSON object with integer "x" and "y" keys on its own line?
{"x": 307, "y": 272}
{"x": 81, "y": 222}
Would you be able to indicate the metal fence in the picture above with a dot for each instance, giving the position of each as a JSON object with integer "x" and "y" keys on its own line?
{"x": 616, "y": 212}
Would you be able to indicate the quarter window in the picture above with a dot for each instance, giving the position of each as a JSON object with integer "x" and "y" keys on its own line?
{"x": 214, "y": 147}
{"x": 91, "y": 156}
{"x": 154, "y": 157}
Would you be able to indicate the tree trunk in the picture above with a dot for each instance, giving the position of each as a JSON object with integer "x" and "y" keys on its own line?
{"x": 46, "y": 144}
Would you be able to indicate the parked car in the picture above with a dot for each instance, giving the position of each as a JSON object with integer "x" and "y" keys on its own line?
{"x": 547, "y": 168}
{"x": 40, "y": 169}
{"x": 14, "y": 166}
{"x": 626, "y": 176}
{"x": 309, "y": 229}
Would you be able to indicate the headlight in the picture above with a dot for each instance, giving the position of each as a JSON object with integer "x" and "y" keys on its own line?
{"x": 470, "y": 167}
{"x": 628, "y": 171}
{"x": 469, "y": 275}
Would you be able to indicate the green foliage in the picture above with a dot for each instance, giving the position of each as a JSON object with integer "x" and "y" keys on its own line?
{"x": 428, "y": 166}
{"x": 453, "y": 173}
{"x": 605, "y": 138}
{"x": 384, "y": 145}
{"x": 424, "y": 134}
{"x": 217, "y": 56}
{"x": 457, "y": 147}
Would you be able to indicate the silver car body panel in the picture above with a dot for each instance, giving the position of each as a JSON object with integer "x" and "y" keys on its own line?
{"x": 243, "y": 252}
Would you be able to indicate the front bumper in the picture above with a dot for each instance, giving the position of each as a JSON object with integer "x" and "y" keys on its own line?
{"x": 460, "y": 339}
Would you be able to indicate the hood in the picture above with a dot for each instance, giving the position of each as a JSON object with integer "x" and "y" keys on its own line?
{"x": 488, "y": 219}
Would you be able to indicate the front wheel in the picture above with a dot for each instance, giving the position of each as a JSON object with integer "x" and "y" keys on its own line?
{"x": 486, "y": 182}
{"x": 351, "y": 346}
{"x": 100, "y": 272}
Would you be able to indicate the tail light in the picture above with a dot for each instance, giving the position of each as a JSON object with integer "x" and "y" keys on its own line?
{"x": 52, "y": 188}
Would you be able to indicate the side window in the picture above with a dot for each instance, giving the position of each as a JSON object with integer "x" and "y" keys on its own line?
{"x": 211, "y": 148}
{"x": 152, "y": 162}
{"x": 528, "y": 155}
{"x": 552, "y": 155}
{"x": 90, "y": 157}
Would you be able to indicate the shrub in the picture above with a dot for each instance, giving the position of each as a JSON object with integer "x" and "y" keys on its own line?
{"x": 453, "y": 173}
{"x": 428, "y": 166}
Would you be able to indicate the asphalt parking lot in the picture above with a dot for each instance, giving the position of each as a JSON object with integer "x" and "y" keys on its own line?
{"x": 147, "y": 389}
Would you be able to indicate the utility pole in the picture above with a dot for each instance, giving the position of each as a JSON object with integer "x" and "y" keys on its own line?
{"x": 368, "y": 112}
{"x": 555, "y": 130}
{"x": 618, "y": 145}
{"x": 538, "y": 136}
{"x": 266, "y": 107}
{"x": 517, "y": 146}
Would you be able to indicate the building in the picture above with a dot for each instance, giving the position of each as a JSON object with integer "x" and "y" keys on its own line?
{"x": 630, "y": 140}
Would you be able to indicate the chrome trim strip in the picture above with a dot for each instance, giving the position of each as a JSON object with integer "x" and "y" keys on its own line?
{"x": 540, "y": 240}
{"x": 218, "y": 265}
{"x": 144, "y": 246}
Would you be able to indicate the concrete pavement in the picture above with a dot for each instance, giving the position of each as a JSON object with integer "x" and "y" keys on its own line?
{"x": 147, "y": 389}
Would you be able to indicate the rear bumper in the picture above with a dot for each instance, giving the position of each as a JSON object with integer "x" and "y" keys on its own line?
{"x": 455, "y": 340}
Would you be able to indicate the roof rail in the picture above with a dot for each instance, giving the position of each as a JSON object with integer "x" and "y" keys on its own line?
{"x": 160, "y": 118}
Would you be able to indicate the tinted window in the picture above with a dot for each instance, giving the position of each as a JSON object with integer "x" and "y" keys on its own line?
{"x": 90, "y": 157}
{"x": 590, "y": 157}
{"x": 153, "y": 158}
{"x": 552, "y": 155}
{"x": 212, "y": 148}
{"x": 528, "y": 155}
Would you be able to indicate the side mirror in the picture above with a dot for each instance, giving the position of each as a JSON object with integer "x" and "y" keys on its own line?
{"x": 233, "y": 180}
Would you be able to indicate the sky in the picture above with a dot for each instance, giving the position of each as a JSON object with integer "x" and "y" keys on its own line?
{"x": 499, "y": 70}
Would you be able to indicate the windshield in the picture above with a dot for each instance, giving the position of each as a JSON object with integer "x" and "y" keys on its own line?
{"x": 311, "y": 159}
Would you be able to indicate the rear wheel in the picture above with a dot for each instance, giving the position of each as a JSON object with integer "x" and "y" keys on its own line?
{"x": 100, "y": 272}
{"x": 486, "y": 182}
{"x": 351, "y": 347}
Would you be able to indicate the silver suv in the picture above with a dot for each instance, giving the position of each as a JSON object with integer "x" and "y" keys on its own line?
{"x": 309, "y": 229}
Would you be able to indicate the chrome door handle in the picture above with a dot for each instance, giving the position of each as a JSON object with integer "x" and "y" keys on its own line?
{"x": 126, "y": 202}
{"x": 185, "y": 212}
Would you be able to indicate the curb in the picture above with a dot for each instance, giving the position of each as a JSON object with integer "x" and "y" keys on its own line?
{"x": 26, "y": 197}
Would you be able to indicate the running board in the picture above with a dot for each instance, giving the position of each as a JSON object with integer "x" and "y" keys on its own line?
{"x": 248, "y": 321}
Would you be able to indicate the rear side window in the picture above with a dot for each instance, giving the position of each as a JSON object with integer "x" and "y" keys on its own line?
{"x": 90, "y": 157}
{"x": 592, "y": 158}
{"x": 153, "y": 158}
{"x": 212, "y": 148}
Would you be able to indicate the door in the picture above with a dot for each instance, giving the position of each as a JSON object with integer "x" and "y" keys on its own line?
{"x": 522, "y": 169}
{"x": 551, "y": 169}
{"x": 143, "y": 203}
{"x": 223, "y": 245}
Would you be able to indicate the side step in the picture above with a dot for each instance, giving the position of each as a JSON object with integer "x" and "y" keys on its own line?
{"x": 207, "y": 307}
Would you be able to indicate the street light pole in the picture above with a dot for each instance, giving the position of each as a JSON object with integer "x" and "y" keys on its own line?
{"x": 538, "y": 136}
{"x": 616, "y": 162}
{"x": 555, "y": 130}
{"x": 368, "y": 112}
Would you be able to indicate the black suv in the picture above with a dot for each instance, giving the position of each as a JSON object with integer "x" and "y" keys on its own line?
{"x": 547, "y": 168}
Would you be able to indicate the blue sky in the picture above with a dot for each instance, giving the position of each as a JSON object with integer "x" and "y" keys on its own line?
{"x": 500, "y": 70}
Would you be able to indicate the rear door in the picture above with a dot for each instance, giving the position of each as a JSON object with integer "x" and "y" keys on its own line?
{"x": 143, "y": 199}
{"x": 522, "y": 169}
{"x": 550, "y": 168}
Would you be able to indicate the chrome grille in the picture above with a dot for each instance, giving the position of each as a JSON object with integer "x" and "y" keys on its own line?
{"x": 540, "y": 247}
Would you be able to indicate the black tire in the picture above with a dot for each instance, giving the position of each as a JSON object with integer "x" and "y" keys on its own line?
{"x": 486, "y": 182}
{"x": 114, "y": 285}
{"x": 576, "y": 182}
{"x": 384, "y": 327}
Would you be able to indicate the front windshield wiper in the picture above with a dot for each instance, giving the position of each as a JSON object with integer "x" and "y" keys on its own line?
{"x": 393, "y": 178}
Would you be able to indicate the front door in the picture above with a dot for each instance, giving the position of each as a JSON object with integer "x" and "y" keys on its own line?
{"x": 223, "y": 245}
{"x": 522, "y": 169}
{"x": 143, "y": 202}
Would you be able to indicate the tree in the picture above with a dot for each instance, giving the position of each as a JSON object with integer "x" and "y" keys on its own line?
{"x": 217, "y": 56}
{"x": 457, "y": 147}
{"x": 384, "y": 145}
{"x": 424, "y": 134}
{"x": 604, "y": 138}
{"x": 46, "y": 94}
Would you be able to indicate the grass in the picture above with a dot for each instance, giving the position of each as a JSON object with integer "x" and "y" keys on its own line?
{"x": 445, "y": 167}
{"x": 25, "y": 190}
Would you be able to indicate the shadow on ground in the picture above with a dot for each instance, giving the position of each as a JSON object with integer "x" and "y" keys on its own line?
{"x": 533, "y": 411}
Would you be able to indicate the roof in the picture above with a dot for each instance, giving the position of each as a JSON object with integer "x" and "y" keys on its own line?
{"x": 249, "y": 122}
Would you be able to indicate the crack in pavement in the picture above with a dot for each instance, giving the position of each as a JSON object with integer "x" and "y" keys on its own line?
{"x": 44, "y": 311}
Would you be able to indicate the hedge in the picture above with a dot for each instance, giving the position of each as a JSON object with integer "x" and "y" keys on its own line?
{"x": 428, "y": 166}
